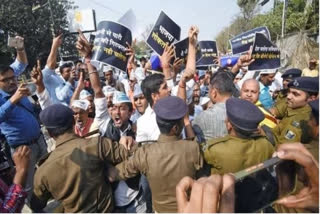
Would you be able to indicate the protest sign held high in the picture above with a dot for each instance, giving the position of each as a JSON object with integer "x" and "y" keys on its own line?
{"x": 110, "y": 45}
{"x": 265, "y": 53}
{"x": 182, "y": 49}
{"x": 85, "y": 20}
{"x": 165, "y": 31}
{"x": 241, "y": 43}
{"x": 206, "y": 54}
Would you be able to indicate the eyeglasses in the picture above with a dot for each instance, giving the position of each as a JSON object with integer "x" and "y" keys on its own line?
{"x": 9, "y": 79}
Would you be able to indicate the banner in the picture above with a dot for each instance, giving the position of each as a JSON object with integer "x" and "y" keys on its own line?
{"x": 265, "y": 53}
{"x": 85, "y": 20}
{"x": 110, "y": 44}
{"x": 182, "y": 49}
{"x": 242, "y": 42}
{"x": 165, "y": 31}
{"x": 206, "y": 54}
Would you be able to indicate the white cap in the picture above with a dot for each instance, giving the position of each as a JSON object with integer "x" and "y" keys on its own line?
{"x": 269, "y": 71}
{"x": 107, "y": 68}
{"x": 82, "y": 104}
{"x": 120, "y": 97}
{"x": 108, "y": 90}
{"x": 84, "y": 94}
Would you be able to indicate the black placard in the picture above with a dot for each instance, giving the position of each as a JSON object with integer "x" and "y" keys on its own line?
{"x": 265, "y": 53}
{"x": 165, "y": 31}
{"x": 110, "y": 44}
{"x": 242, "y": 42}
{"x": 206, "y": 53}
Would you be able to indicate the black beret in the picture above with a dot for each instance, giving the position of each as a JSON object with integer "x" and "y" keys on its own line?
{"x": 243, "y": 114}
{"x": 170, "y": 108}
{"x": 308, "y": 84}
{"x": 315, "y": 109}
{"x": 56, "y": 116}
{"x": 292, "y": 73}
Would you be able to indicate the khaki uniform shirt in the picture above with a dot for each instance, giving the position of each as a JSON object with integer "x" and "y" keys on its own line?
{"x": 289, "y": 129}
{"x": 74, "y": 174}
{"x": 164, "y": 163}
{"x": 231, "y": 154}
{"x": 280, "y": 105}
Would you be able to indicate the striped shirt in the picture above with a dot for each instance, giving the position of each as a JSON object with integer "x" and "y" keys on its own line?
{"x": 211, "y": 123}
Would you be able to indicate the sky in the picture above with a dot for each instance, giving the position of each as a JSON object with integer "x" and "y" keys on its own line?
{"x": 211, "y": 16}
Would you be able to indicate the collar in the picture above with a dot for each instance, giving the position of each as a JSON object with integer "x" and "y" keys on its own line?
{"x": 4, "y": 94}
{"x": 263, "y": 87}
{"x": 166, "y": 139}
{"x": 149, "y": 110}
{"x": 301, "y": 110}
{"x": 65, "y": 138}
{"x": 124, "y": 132}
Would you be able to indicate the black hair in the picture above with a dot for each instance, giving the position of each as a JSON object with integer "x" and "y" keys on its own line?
{"x": 65, "y": 65}
{"x": 56, "y": 132}
{"x": 151, "y": 84}
{"x": 77, "y": 61}
{"x": 223, "y": 82}
{"x": 130, "y": 106}
{"x": 165, "y": 126}
{"x": 5, "y": 68}
{"x": 142, "y": 59}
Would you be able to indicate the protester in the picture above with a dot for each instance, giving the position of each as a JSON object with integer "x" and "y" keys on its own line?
{"x": 110, "y": 81}
{"x": 18, "y": 122}
{"x": 250, "y": 91}
{"x": 114, "y": 126}
{"x": 265, "y": 81}
{"x": 60, "y": 87}
{"x": 13, "y": 198}
{"x": 140, "y": 103}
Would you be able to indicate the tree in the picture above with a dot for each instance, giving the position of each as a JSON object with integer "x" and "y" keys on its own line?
{"x": 248, "y": 8}
{"x": 32, "y": 20}
{"x": 141, "y": 47}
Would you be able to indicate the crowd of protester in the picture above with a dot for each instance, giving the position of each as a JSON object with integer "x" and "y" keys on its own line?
{"x": 151, "y": 141}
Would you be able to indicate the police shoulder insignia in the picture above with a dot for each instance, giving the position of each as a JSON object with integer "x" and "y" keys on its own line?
{"x": 290, "y": 135}
{"x": 295, "y": 124}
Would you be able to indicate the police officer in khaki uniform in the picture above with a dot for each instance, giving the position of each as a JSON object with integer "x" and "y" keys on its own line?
{"x": 168, "y": 160}
{"x": 74, "y": 172}
{"x": 310, "y": 133}
{"x": 281, "y": 100}
{"x": 244, "y": 146}
{"x": 301, "y": 91}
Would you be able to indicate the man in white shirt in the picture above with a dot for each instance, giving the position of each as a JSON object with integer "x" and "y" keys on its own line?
{"x": 154, "y": 87}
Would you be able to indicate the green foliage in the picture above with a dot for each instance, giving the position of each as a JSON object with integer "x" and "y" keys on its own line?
{"x": 298, "y": 18}
{"x": 17, "y": 17}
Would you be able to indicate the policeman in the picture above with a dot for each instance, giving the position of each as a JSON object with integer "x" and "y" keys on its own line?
{"x": 301, "y": 91}
{"x": 243, "y": 146}
{"x": 168, "y": 160}
{"x": 310, "y": 132}
{"x": 74, "y": 172}
{"x": 281, "y": 99}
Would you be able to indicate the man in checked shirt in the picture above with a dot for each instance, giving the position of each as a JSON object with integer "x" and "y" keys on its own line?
{"x": 12, "y": 198}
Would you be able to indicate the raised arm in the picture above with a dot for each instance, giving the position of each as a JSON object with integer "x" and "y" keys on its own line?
{"x": 21, "y": 62}
{"x": 80, "y": 87}
{"x": 52, "y": 58}
{"x": 165, "y": 58}
{"x": 243, "y": 61}
{"x": 189, "y": 74}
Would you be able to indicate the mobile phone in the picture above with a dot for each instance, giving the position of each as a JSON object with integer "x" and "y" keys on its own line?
{"x": 259, "y": 186}
{"x": 32, "y": 88}
{"x": 15, "y": 43}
